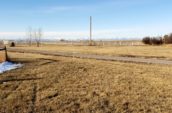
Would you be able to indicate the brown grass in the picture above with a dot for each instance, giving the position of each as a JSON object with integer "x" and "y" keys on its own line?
{"x": 164, "y": 51}
{"x": 2, "y": 56}
{"x": 58, "y": 84}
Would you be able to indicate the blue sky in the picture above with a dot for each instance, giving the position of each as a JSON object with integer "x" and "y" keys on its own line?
{"x": 70, "y": 18}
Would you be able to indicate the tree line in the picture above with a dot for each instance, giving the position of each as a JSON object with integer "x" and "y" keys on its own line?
{"x": 166, "y": 39}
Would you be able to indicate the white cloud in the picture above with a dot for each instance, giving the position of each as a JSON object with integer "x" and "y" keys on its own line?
{"x": 54, "y": 9}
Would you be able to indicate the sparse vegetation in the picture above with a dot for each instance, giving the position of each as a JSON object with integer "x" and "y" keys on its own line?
{"x": 29, "y": 37}
{"x": 38, "y": 35}
{"x": 34, "y": 34}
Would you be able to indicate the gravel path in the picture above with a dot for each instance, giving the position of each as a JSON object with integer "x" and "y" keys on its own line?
{"x": 98, "y": 57}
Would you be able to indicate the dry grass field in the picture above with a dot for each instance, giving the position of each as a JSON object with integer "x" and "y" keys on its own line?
{"x": 164, "y": 51}
{"x": 69, "y": 85}
{"x": 2, "y": 56}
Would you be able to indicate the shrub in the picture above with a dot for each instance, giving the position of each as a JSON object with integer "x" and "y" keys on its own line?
{"x": 147, "y": 40}
{"x": 156, "y": 41}
{"x": 12, "y": 44}
{"x": 167, "y": 39}
{"x": 62, "y": 40}
{"x": 153, "y": 40}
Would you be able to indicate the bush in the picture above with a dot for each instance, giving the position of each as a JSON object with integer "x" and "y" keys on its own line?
{"x": 157, "y": 41}
{"x": 63, "y": 40}
{"x": 167, "y": 39}
{"x": 147, "y": 40}
{"x": 12, "y": 44}
{"x": 153, "y": 40}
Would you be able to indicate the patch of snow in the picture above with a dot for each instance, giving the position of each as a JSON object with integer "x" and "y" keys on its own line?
{"x": 6, "y": 66}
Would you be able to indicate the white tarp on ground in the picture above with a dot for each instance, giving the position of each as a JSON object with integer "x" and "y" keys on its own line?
{"x": 6, "y": 66}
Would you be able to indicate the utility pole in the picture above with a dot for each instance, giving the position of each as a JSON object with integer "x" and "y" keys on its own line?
{"x": 90, "y": 30}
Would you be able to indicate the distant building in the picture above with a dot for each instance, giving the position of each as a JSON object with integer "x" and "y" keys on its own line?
{"x": 7, "y": 43}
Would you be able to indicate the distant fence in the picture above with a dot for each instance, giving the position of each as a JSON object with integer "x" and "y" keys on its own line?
{"x": 119, "y": 43}
{"x": 102, "y": 43}
{"x": 3, "y": 54}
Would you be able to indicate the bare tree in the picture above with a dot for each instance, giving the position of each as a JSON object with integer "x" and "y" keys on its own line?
{"x": 90, "y": 42}
{"x": 29, "y": 36}
{"x": 38, "y": 35}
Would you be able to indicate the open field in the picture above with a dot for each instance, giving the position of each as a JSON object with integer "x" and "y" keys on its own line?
{"x": 96, "y": 57}
{"x": 164, "y": 51}
{"x": 58, "y": 84}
